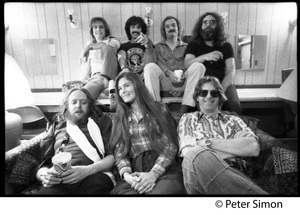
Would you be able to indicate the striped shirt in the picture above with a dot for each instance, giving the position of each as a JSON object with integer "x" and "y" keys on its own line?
{"x": 197, "y": 125}
{"x": 141, "y": 143}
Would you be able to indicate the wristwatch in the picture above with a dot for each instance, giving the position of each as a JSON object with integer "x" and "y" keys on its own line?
{"x": 208, "y": 143}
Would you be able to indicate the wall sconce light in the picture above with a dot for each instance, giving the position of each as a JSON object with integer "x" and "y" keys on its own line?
{"x": 148, "y": 20}
{"x": 74, "y": 23}
{"x": 293, "y": 22}
{"x": 224, "y": 16}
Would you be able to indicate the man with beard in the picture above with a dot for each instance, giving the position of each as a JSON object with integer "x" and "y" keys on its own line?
{"x": 83, "y": 131}
{"x": 170, "y": 57}
{"x": 209, "y": 46}
{"x": 139, "y": 50}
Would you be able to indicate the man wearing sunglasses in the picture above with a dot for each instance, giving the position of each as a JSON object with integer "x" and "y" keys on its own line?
{"x": 213, "y": 145}
{"x": 209, "y": 46}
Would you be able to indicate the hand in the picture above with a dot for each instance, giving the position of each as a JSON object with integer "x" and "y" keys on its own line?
{"x": 83, "y": 58}
{"x": 142, "y": 39}
{"x": 49, "y": 177}
{"x": 146, "y": 181}
{"x": 130, "y": 179}
{"x": 74, "y": 175}
{"x": 213, "y": 56}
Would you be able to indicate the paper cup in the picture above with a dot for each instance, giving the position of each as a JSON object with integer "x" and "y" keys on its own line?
{"x": 62, "y": 161}
{"x": 178, "y": 74}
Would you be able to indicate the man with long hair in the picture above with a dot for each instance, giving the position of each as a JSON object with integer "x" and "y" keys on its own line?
{"x": 170, "y": 57}
{"x": 138, "y": 51}
{"x": 100, "y": 57}
{"x": 209, "y": 46}
{"x": 213, "y": 145}
{"x": 144, "y": 142}
{"x": 82, "y": 130}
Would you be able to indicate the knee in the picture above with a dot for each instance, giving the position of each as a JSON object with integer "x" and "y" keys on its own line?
{"x": 150, "y": 69}
{"x": 198, "y": 68}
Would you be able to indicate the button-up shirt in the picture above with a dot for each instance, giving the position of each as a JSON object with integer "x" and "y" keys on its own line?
{"x": 197, "y": 125}
{"x": 140, "y": 143}
{"x": 168, "y": 59}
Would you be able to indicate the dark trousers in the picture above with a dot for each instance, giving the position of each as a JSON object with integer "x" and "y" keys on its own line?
{"x": 233, "y": 103}
{"x": 97, "y": 184}
{"x": 170, "y": 183}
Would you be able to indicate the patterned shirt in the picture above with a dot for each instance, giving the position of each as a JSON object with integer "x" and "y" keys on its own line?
{"x": 197, "y": 125}
{"x": 141, "y": 143}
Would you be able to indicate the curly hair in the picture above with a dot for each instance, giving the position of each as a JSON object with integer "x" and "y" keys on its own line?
{"x": 94, "y": 111}
{"x": 163, "y": 29}
{"x": 220, "y": 38}
{"x": 99, "y": 19}
{"x": 157, "y": 118}
{"x": 216, "y": 83}
{"x": 135, "y": 20}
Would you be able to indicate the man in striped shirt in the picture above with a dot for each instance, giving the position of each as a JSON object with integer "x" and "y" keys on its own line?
{"x": 212, "y": 145}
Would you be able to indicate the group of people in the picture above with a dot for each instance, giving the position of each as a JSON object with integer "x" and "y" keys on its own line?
{"x": 142, "y": 150}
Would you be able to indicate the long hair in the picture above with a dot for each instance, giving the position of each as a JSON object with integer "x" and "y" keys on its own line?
{"x": 163, "y": 29}
{"x": 220, "y": 38}
{"x": 94, "y": 112}
{"x": 135, "y": 20}
{"x": 158, "y": 120}
{"x": 216, "y": 83}
{"x": 99, "y": 19}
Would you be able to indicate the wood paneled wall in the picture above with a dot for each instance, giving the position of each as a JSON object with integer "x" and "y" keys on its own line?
{"x": 49, "y": 21}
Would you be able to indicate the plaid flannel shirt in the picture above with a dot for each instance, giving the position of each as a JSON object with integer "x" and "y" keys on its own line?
{"x": 140, "y": 143}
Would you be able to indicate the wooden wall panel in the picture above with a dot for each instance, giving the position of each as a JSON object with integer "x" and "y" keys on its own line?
{"x": 242, "y": 25}
{"x": 49, "y": 21}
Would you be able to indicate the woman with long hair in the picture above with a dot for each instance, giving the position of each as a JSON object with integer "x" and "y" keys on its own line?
{"x": 144, "y": 141}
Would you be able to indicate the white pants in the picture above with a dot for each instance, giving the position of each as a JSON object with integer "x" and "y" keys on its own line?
{"x": 156, "y": 81}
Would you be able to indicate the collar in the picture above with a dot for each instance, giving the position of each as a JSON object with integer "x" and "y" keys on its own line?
{"x": 181, "y": 43}
{"x": 220, "y": 116}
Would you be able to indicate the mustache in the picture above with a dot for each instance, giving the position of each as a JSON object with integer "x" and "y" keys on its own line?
{"x": 135, "y": 32}
{"x": 172, "y": 31}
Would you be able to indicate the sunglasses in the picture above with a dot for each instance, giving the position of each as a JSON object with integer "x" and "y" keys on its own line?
{"x": 213, "y": 93}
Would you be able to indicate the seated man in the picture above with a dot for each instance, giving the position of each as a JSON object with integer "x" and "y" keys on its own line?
{"x": 102, "y": 62}
{"x": 212, "y": 145}
{"x": 209, "y": 46}
{"x": 170, "y": 57}
{"x": 80, "y": 130}
{"x": 139, "y": 50}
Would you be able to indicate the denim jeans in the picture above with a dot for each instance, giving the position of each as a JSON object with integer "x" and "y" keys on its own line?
{"x": 205, "y": 172}
{"x": 233, "y": 103}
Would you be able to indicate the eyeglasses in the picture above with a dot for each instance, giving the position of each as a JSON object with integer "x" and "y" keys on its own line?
{"x": 206, "y": 22}
{"x": 213, "y": 93}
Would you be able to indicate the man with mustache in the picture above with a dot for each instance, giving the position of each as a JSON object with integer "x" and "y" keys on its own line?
{"x": 82, "y": 130}
{"x": 209, "y": 46}
{"x": 139, "y": 50}
{"x": 170, "y": 57}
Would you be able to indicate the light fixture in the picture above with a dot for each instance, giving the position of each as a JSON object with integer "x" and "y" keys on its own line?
{"x": 73, "y": 22}
{"x": 224, "y": 16}
{"x": 148, "y": 20}
{"x": 288, "y": 92}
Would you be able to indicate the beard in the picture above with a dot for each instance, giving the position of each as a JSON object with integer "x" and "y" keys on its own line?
{"x": 208, "y": 34}
{"x": 77, "y": 120}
